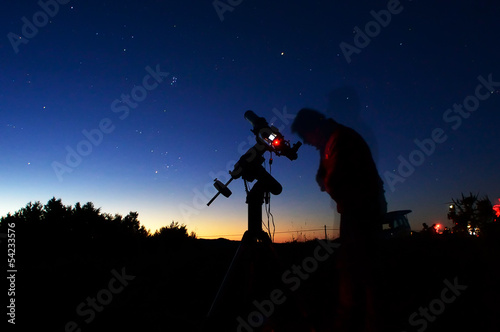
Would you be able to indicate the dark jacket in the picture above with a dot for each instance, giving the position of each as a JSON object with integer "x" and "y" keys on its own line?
{"x": 348, "y": 173}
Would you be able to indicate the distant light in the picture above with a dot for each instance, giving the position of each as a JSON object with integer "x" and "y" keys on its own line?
{"x": 496, "y": 208}
{"x": 282, "y": 53}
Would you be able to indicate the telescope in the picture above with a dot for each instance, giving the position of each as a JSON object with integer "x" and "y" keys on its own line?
{"x": 249, "y": 166}
{"x": 271, "y": 136}
{"x": 254, "y": 263}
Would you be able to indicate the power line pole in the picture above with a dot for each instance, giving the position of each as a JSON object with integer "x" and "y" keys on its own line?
{"x": 326, "y": 238}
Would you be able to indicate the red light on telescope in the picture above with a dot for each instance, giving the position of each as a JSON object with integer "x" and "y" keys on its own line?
{"x": 276, "y": 142}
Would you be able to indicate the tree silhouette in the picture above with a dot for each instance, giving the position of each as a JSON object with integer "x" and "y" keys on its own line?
{"x": 132, "y": 225}
{"x": 32, "y": 212}
{"x": 80, "y": 223}
{"x": 470, "y": 213}
{"x": 85, "y": 224}
{"x": 173, "y": 232}
{"x": 55, "y": 210}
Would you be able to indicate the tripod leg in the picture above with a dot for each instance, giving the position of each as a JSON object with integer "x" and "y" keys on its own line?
{"x": 214, "y": 307}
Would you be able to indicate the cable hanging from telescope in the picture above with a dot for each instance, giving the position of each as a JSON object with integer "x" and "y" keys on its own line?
{"x": 270, "y": 217}
{"x": 268, "y": 205}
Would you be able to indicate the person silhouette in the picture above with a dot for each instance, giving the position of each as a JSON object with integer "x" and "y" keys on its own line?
{"x": 345, "y": 107}
{"x": 346, "y": 172}
{"x": 349, "y": 175}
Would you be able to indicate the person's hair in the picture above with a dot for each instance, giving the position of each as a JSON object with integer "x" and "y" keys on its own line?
{"x": 307, "y": 121}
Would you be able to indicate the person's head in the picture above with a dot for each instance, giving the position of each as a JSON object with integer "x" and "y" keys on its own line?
{"x": 312, "y": 127}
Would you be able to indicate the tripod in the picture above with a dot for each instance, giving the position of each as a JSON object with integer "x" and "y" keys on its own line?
{"x": 252, "y": 296}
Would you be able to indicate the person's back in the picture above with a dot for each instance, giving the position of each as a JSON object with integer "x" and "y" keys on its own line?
{"x": 352, "y": 180}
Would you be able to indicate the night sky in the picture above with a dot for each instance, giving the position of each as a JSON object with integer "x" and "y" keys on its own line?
{"x": 138, "y": 105}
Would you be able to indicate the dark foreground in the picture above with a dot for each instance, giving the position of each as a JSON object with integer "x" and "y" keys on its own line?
{"x": 162, "y": 286}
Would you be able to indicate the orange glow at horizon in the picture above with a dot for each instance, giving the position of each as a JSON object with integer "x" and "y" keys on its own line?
{"x": 279, "y": 237}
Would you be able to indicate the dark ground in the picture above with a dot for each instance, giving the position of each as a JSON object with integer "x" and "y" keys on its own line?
{"x": 176, "y": 282}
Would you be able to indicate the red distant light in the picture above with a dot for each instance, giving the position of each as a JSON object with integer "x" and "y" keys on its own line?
{"x": 496, "y": 208}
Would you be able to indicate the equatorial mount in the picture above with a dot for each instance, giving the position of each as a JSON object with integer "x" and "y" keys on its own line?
{"x": 249, "y": 166}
